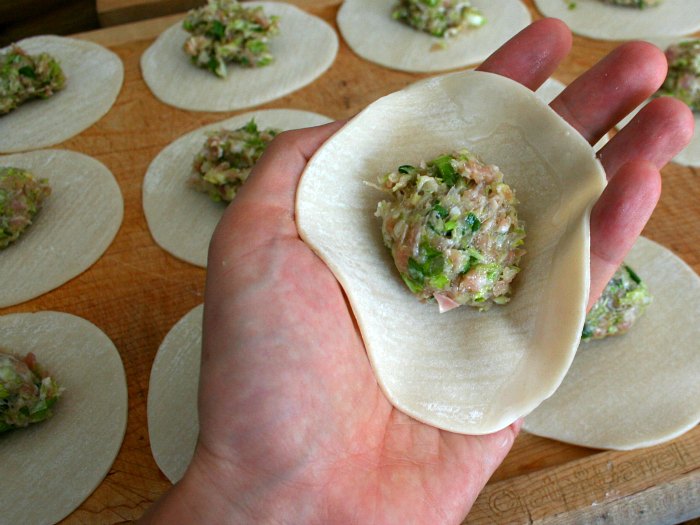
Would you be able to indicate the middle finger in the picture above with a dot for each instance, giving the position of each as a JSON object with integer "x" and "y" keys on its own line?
{"x": 602, "y": 96}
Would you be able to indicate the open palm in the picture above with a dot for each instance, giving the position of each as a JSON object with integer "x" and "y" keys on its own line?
{"x": 294, "y": 428}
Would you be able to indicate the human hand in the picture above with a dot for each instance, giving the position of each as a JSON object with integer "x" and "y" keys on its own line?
{"x": 293, "y": 426}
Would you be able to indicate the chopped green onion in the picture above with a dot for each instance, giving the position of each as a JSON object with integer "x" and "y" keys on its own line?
{"x": 473, "y": 222}
{"x": 251, "y": 126}
{"x": 434, "y": 266}
{"x": 415, "y": 270}
{"x": 440, "y": 281}
{"x": 441, "y": 212}
{"x": 27, "y": 72}
{"x": 475, "y": 254}
{"x": 633, "y": 275}
{"x": 412, "y": 285}
{"x": 429, "y": 251}
{"x": 450, "y": 225}
{"x": 445, "y": 169}
{"x": 218, "y": 30}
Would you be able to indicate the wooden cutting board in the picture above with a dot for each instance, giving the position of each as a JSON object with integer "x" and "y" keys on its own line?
{"x": 136, "y": 292}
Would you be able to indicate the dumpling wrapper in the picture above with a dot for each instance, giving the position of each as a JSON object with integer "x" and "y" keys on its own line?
{"x": 173, "y": 422}
{"x": 75, "y": 226}
{"x": 372, "y": 33}
{"x": 638, "y": 389}
{"x": 304, "y": 48}
{"x": 690, "y": 155}
{"x": 465, "y": 371}
{"x": 595, "y": 19}
{"x": 94, "y": 76}
{"x": 172, "y": 207}
{"x": 50, "y": 468}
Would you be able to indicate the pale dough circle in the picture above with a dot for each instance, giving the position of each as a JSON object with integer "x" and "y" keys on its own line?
{"x": 71, "y": 231}
{"x": 369, "y": 30}
{"x": 50, "y": 468}
{"x": 595, "y": 19}
{"x": 304, "y": 48}
{"x": 182, "y": 220}
{"x": 173, "y": 423}
{"x": 690, "y": 155}
{"x": 638, "y": 389}
{"x": 464, "y": 371}
{"x": 94, "y": 76}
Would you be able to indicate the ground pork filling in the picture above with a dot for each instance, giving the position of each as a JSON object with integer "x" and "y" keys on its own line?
{"x": 641, "y": 4}
{"x": 27, "y": 392}
{"x": 441, "y": 18}
{"x": 21, "y": 197}
{"x": 683, "y": 78}
{"x": 226, "y": 159}
{"x": 453, "y": 230}
{"x": 623, "y": 301}
{"x": 223, "y": 31}
{"x": 24, "y": 77}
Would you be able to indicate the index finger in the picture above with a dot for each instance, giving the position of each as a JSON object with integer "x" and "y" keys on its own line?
{"x": 270, "y": 189}
{"x": 531, "y": 56}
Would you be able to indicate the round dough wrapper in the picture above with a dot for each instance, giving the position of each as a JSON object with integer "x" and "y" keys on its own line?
{"x": 641, "y": 388}
{"x": 595, "y": 19}
{"x": 370, "y": 32}
{"x": 72, "y": 230}
{"x": 173, "y": 423}
{"x": 690, "y": 155}
{"x": 94, "y": 76}
{"x": 50, "y": 468}
{"x": 464, "y": 371}
{"x": 304, "y": 48}
{"x": 172, "y": 207}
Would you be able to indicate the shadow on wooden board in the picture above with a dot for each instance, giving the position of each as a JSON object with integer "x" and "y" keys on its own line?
{"x": 22, "y": 18}
{"x": 114, "y": 12}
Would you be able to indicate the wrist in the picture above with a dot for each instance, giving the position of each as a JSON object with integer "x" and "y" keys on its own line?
{"x": 193, "y": 500}
{"x": 211, "y": 492}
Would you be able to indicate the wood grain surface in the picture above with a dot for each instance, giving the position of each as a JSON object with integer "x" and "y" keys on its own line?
{"x": 136, "y": 292}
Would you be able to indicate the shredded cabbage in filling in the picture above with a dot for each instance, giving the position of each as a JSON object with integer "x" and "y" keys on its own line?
{"x": 683, "y": 78}
{"x": 623, "y": 301}
{"x": 24, "y": 77}
{"x": 441, "y": 18}
{"x": 27, "y": 392}
{"x": 453, "y": 230}
{"x": 223, "y": 31}
{"x": 226, "y": 159}
{"x": 21, "y": 197}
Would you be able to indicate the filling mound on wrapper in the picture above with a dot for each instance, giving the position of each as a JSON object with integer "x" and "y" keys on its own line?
{"x": 453, "y": 230}
{"x": 24, "y": 77}
{"x": 226, "y": 159}
{"x": 223, "y": 31}
{"x": 21, "y": 198}
{"x": 624, "y": 299}
{"x": 440, "y": 18}
{"x": 27, "y": 392}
